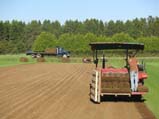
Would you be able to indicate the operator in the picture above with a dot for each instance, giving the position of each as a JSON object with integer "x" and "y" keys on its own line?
{"x": 133, "y": 71}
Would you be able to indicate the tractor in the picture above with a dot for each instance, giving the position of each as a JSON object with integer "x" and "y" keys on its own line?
{"x": 108, "y": 80}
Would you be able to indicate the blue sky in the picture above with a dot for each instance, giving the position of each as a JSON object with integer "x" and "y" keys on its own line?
{"x": 62, "y": 10}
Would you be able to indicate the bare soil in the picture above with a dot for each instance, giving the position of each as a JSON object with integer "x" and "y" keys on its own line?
{"x": 58, "y": 91}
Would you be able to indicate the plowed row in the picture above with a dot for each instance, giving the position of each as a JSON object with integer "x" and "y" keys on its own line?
{"x": 57, "y": 91}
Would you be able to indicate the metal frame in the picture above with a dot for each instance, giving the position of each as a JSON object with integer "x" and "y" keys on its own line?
{"x": 116, "y": 45}
{"x": 96, "y": 94}
{"x": 95, "y": 46}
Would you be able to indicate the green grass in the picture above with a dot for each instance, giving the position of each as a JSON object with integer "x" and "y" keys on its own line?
{"x": 152, "y": 98}
{"x": 11, "y": 60}
{"x": 152, "y": 68}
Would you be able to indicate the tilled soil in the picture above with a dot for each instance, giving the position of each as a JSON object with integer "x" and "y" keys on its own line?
{"x": 58, "y": 91}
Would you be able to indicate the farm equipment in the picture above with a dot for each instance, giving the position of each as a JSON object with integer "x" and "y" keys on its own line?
{"x": 86, "y": 60}
{"x": 58, "y": 51}
{"x": 115, "y": 81}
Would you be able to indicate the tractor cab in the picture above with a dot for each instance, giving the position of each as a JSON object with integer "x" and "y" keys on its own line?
{"x": 108, "y": 80}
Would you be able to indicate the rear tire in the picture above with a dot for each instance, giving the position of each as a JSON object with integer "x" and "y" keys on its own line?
{"x": 137, "y": 98}
{"x": 33, "y": 56}
{"x": 39, "y": 55}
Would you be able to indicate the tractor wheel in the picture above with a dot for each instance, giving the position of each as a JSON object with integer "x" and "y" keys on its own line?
{"x": 33, "y": 56}
{"x": 137, "y": 98}
{"x": 39, "y": 55}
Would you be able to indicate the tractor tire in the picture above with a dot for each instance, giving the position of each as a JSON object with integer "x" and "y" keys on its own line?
{"x": 38, "y": 55}
{"x": 34, "y": 56}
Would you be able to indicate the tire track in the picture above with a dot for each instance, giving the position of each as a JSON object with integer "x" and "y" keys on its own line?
{"x": 83, "y": 101}
{"x": 72, "y": 103}
{"x": 18, "y": 96}
{"x": 14, "y": 70}
{"x": 30, "y": 81}
{"x": 38, "y": 97}
{"x": 27, "y": 86}
{"x": 25, "y": 92}
{"x": 57, "y": 91}
{"x": 49, "y": 99}
{"x": 27, "y": 99}
{"x": 59, "y": 108}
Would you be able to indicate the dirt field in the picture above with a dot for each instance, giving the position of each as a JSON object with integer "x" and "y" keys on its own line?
{"x": 58, "y": 91}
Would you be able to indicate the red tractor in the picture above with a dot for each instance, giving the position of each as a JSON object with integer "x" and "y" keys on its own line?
{"x": 115, "y": 81}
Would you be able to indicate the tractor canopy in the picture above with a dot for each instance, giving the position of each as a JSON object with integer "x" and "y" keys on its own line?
{"x": 116, "y": 45}
{"x": 95, "y": 46}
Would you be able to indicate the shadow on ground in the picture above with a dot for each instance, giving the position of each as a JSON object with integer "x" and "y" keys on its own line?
{"x": 112, "y": 98}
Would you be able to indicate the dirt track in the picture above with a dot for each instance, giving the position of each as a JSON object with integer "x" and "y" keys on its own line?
{"x": 58, "y": 91}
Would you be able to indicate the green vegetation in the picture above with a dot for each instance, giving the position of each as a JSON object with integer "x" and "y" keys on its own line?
{"x": 152, "y": 97}
{"x": 43, "y": 41}
{"x": 11, "y": 60}
{"x": 17, "y": 36}
{"x": 78, "y": 43}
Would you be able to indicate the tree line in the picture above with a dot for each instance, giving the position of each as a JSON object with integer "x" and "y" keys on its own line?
{"x": 78, "y": 43}
{"x": 17, "y": 36}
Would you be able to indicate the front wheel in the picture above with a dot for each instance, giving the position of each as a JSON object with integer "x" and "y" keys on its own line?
{"x": 137, "y": 98}
{"x": 33, "y": 56}
{"x": 39, "y": 55}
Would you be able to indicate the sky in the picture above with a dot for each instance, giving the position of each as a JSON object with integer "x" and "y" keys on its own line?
{"x": 62, "y": 10}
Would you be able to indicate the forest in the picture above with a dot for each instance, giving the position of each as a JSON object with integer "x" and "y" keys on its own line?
{"x": 18, "y": 36}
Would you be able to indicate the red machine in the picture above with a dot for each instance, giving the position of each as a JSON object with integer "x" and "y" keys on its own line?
{"x": 115, "y": 81}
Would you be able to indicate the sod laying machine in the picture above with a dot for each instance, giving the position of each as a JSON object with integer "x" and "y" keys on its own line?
{"x": 115, "y": 81}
